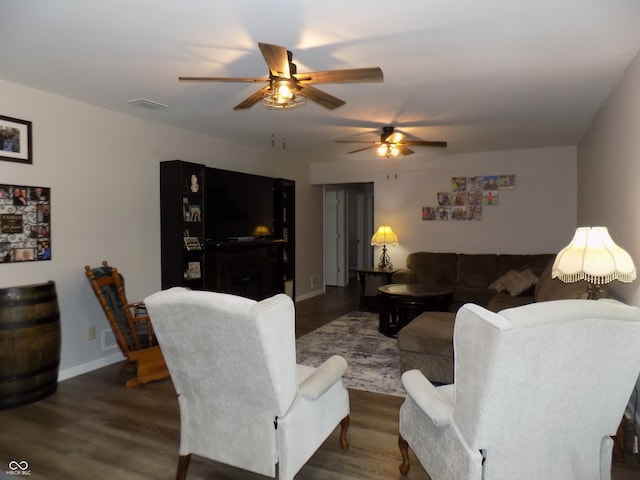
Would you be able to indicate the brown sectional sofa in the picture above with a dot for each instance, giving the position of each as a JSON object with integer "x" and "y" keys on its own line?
{"x": 469, "y": 275}
{"x": 426, "y": 343}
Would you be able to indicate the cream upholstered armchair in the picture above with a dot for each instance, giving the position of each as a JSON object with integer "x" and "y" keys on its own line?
{"x": 538, "y": 392}
{"x": 243, "y": 400}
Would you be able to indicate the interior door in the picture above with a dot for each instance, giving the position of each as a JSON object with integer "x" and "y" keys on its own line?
{"x": 336, "y": 271}
{"x": 330, "y": 239}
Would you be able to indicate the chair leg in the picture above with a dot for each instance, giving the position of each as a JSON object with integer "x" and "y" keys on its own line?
{"x": 183, "y": 466}
{"x": 404, "y": 451}
{"x": 344, "y": 426}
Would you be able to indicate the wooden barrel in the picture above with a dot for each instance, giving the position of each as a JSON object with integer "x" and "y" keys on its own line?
{"x": 29, "y": 343}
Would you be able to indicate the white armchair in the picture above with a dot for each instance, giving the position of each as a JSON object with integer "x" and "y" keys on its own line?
{"x": 243, "y": 400}
{"x": 539, "y": 390}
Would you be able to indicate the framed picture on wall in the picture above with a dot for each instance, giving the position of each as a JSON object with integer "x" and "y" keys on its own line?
{"x": 25, "y": 223}
{"x": 15, "y": 140}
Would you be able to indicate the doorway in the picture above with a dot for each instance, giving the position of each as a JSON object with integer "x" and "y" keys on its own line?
{"x": 348, "y": 226}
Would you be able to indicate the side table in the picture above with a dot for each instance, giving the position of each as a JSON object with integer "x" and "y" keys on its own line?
{"x": 402, "y": 302}
{"x": 370, "y": 279}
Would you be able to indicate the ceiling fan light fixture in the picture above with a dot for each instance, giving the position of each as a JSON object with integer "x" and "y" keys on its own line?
{"x": 284, "y": 92}
{"x": 388, "y": 150}
{"x": 283, "y": 95}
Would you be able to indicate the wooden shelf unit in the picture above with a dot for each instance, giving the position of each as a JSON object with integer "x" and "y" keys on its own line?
{"x": 256, "y": 268}
{"x": 182, "y": 214}
{"x": 284, "y": 227}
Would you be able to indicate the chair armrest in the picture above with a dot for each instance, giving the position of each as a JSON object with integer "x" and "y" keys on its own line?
{"x": 141, "y": 318}
{"x": 135, "y": 319}
{"x": 139, "y": 308}
{"x": 438, "y": 408}
{"x": 404, "y": 275}
{"x": 323, "y": 378}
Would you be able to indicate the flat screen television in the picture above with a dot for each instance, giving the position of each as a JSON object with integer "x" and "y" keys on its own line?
{"x": 238, "y": 206}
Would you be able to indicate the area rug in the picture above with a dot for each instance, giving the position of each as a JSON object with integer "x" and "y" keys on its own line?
{"x": 373, "y": 358}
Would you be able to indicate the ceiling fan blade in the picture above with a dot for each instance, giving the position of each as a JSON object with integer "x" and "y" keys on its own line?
{"x": 353, "y": 141}
{"x": 404, "y": 150}
{"x": 351, "y": 75}
{"x": 425, "y": 143}
{"x": 322, "y": 98}
{"x": 395, "y": 137}
{"x": 361, "y": 149}
{"x": 252, "y": 100}
{"x": 277, "y": 59}
{"x": 223, "y": 79}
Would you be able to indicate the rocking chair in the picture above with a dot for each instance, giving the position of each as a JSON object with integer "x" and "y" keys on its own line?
{"x": 130, "y": 324}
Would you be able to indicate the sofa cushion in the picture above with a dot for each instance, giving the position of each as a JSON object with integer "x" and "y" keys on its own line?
{"x": 429, "y": 332}
{"x": 426, "y": 344}
{"x": 549, "y": 288}
{"x": 534, "y": 262}
{"x": 477, "y": 295}
{"x": 438, "y": 269}
{"x": 404, "y": 275}
{"x": 476, "y": 270}
{"x": 501, "y": 301}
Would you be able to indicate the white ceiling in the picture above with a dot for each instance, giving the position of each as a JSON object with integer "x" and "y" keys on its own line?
{"x": 482, "y": 75}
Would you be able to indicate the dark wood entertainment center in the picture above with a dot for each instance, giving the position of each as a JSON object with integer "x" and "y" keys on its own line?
{"x": 253, "y": 266}
{"x": 248, "y": 269}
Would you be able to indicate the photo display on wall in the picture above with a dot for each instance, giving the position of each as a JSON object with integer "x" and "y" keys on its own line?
{"x": 467, "y": 197}
{"x": 25, "y": 223}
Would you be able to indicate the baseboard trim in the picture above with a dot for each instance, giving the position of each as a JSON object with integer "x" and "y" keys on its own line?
{"x": 89, "y": 366}
{"x": 312, "y": 294}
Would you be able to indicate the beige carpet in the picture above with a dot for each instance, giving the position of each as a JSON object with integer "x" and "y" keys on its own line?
{"x": 373, "y": 358}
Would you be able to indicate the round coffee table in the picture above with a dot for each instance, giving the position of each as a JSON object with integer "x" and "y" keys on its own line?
{"x": 402, "y": 302}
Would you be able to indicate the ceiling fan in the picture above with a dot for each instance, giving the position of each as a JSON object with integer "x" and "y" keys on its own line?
{"x": 286, "y": 88}
{"x": 393, "y": 143}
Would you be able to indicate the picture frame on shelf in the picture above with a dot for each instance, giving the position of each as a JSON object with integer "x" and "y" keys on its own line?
{"x": 15, "y": 140}
{"x": 192, "y": 243}
{"x": 194, "y": 213}
{"x": 193, "y": 271}
{"x": 192, "y": 184}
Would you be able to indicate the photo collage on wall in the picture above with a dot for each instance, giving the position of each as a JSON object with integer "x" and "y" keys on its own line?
{"x": 25, "y": 223}
{"x": 467, "y": 197}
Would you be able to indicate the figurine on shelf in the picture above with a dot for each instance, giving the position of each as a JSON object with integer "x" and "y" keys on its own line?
{"x": 194, "y": 183}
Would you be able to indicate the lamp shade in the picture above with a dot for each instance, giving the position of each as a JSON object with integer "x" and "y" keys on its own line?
{"x": 593, "y": 256}
{"x": 261, "y": 230}
{"x": 384, "y": 236}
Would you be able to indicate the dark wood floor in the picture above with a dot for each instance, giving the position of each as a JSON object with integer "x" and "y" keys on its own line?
{"x": 93, "y": 427}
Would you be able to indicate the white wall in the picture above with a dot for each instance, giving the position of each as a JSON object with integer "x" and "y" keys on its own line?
{"x": 538, "y": 216}
{"x": 103, "y": 171}
{"x": 609, "y": 172}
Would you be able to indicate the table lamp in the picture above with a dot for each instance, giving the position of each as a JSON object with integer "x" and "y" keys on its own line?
{"x": 382, "y": 238}
{"x": 594, "y": 257}
{"x": 261, "y": 231}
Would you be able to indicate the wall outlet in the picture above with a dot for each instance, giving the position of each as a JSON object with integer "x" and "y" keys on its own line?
{"x": 315, "y": 281}
{"x": 91, "y": 334}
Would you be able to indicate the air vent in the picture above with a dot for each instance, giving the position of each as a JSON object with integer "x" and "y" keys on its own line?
{"x": 148, "y": 104}
{"x": 107, "y": 340}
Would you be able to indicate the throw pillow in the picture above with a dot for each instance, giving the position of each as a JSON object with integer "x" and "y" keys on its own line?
{"x": 530, "y": 276}
{"x": 514, "y": 282}
{"x": 497, "y": 284}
